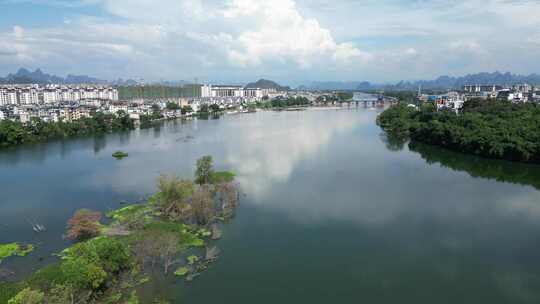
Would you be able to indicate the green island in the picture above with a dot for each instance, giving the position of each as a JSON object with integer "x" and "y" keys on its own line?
{"x": 173, "y": 232}
{"x": 120, "y": 154}
{"x": 487, "y": 128}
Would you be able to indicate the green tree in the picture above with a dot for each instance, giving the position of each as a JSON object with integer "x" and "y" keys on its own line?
{"x": 172, "y": 106}
{"x": 173, "y": 197}
{"x": 187, "y": 109}
{"x": 204, "y": 170}
{"x": 28, "y": 296}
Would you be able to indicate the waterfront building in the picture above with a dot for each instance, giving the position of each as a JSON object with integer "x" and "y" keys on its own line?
{"x": 51, "y": 94}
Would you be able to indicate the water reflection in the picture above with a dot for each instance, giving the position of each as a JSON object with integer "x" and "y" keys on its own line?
{"x": 325, "y": 191}
{"x": 266, "y": 151}
{"x": 502, "y": 171}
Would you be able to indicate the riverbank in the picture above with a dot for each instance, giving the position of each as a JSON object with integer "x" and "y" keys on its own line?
{"x": 173, "y": 232}
{"x": 492, "y": 129}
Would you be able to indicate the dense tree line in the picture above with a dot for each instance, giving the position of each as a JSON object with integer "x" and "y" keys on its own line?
{"x": 289, "y": 102}
{"x": 495, "y": 129}
{"x": 13, "y": 133}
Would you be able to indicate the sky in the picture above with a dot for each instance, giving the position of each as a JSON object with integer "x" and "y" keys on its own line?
{"x": 290, "y": 41}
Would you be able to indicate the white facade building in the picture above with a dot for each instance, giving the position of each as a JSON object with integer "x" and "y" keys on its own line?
{"x": 13, "y": 95}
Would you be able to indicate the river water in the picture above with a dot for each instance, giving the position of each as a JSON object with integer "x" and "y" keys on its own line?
{"x": 333, "y": 211}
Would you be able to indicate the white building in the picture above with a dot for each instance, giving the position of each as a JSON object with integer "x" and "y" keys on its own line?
{"x": 2, "y": 115}
{"x": 206, "y": 91}
{"x": 25, "y": 95}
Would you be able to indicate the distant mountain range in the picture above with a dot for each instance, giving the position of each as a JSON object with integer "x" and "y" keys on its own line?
{"x": 266, "y": 84}
{"x": 441, "y": 83}
{"x": 24, "y": 76}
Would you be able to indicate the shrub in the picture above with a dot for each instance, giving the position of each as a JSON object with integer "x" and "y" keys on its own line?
{"x": 84, "y": 225}
{"x": 28, "y": 296}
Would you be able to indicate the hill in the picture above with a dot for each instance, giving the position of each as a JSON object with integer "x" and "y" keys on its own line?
{"x": 267, "y": 84}
{"x": 440, "y": 83}
{"x": 24, "y": 76}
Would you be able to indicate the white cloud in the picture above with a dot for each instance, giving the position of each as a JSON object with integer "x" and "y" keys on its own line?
{"x": 287, "y": 39}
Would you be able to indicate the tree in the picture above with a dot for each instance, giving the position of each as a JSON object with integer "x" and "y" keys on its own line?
{"x": 203, "y": 205}
{"x": 83, "y": 274}
{"x": 158, "y": 246}
{"x": 173, "y": 106}
{"x": 204, "y": 109}
{"x": 89, "y": 264}
{"x": 173, "y": 196}
{"x": 83, "y": 225}
{"x": 156, "y": 111}
{"x": 204, "y": 170}
{"x": 186, "y": 110}
{"x": 229, "y": 198}
{"x": 169, "y": 246}
{"x": 28, "y": 296}
{"x": 62, "y": 294}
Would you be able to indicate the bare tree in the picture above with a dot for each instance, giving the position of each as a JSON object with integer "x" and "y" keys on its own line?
{"x": 228, "y": 197}
{"x": 203, "y": 205}
{"x": 155, "y": 247}
{"x": 169, "y": 245}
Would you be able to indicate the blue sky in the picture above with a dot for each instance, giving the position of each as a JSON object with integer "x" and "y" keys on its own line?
{"x": 292, "y": 41}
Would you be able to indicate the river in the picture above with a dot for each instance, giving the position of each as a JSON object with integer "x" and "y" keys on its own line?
{"x": 333, "y": 212}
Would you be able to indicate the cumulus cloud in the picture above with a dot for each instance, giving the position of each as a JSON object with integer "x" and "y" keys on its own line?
{"x": 287, "y": 39}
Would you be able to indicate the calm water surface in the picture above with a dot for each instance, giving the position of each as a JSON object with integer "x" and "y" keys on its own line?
{"x": 333, "y": 213}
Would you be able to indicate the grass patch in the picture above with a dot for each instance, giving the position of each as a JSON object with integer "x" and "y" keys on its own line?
{"x": 187, "y": 237}
{"x": 14, "y": 249}
{"x": 222, "y": 177}
{"x": 132, "y": 214}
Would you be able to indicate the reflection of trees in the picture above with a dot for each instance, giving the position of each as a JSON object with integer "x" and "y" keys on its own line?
{"x": 503, "y": 171}
{"x": 124, "y": 137}
{"x": 99, "y": 143}
{"x": 393, "y": 142}
{"x": 157, "y": 130}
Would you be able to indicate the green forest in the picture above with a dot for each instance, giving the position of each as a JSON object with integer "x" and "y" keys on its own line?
{"x": 488, "y": 128}
{"x": 14, "y": 133}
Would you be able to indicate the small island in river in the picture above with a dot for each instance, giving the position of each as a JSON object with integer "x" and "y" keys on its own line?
{"x": 120, "y": 154}
{"x": 172, "y": 232}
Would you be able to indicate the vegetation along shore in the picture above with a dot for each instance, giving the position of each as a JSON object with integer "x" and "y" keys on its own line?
{"x": 173, "y": 232}
{"x": 488, "y": 128}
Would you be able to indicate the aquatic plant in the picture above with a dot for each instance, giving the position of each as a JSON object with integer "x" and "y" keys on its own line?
{"x": 120, "y": 154}
{"x": 181, "y": 271}
{"x": 14, "y": 249}
{"x": 192, "y": 259}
